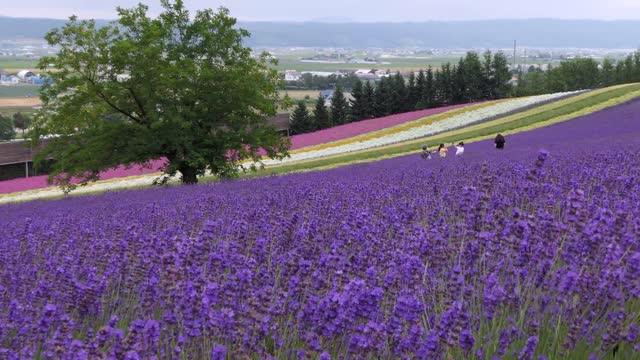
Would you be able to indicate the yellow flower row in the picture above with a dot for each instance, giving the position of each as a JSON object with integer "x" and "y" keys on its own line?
{"x": 398, "y": 128}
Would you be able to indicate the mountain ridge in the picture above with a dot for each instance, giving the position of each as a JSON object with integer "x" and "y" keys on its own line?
{"x": 612, "y": 34}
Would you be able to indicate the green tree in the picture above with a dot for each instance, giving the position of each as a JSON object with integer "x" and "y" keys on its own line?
{"x": 444, "y": 85}
{"x": 359, "y": 103}
{"x": 460, "y": 86}
{"x": 183, "y": 88}
{"x": 339, "y": 107}
{"x": 398, "y": 93}
{"x": 321, "y": 115}
{"x": 578, "y": 74}
{"x": 489, "y": 85}
{"x": 421, "y": 89}
{"x": 502, "y": 76}
{"x": 381, "y": 98}
{"x": 608, "y": 72}
{"x": 412, "y": 93}
{"x": 21, "y": 121}
{"x": 369, "y": 100}
{"x": 301, "y": 121}
{"x": 473, "y": 78}
{"x": 429, "y": 91}
{"x": 7, "y": 130}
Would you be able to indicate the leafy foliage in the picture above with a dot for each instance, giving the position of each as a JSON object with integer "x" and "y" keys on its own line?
{"x": 176, "y": 87}
{"x": 7, "y": 130}
{"x": 21, "y": 121}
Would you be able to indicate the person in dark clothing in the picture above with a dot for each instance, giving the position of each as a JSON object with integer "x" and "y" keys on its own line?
{"x": 426, "y": 154}
{"x": 500, "y": 141}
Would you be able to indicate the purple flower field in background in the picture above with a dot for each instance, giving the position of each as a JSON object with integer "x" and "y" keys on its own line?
{"x": 531, "y": 252}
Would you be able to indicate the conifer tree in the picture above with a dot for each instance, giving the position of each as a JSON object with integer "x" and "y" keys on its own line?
{"x": 412, "y": 94}
{"x": 359, "y": 103}
{"x": 421, "y": 85}
{"x": 301, "y": 121}
{"x": 398, "y": 94}
{"x": 502, "y": 76}
{"x": 321, "y": 115}
{"x": 369, "y": 100}
{"x": 428, "y": 95}
{"x": 381, "y": 98}
{"x": 339, "y": 107}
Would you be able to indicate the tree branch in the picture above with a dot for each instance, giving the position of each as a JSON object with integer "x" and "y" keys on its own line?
{"x": 109, "y": 102}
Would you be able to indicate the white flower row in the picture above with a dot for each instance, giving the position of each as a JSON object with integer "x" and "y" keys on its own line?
{"x": 453, "y": 122}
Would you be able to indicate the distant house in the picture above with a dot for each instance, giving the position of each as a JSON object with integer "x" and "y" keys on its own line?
{"x": 38, "y": 80}
{"x": 320, "y": 73}
{"x": 370, "y": 74}
{"x": 291, "y": 75}
{"x": 281, "y": 123}
{"x": 327, "y": 95}
{"x": 24, "y": 75}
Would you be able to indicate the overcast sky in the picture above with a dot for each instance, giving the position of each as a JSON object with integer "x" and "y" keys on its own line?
{"x": 353, "y": 10}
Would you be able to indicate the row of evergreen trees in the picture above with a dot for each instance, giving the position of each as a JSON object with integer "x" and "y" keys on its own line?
{"x": 472, "y": 79}
{"x": 577, "y": 74}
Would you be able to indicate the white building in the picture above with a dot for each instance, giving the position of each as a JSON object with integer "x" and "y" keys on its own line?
{"x": 291, "y": 75}
{"x": 25, "y": 74}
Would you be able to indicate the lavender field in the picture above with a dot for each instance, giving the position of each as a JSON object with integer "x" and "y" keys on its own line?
{"x": 528, "y": 253}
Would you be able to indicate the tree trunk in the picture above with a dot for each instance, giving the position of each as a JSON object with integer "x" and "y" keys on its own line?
{"x": 188, "y": 175}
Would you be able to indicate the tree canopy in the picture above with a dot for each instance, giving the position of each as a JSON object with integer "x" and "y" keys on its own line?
{"x": 175, "y": 87}
{"x": 7, "y": 130}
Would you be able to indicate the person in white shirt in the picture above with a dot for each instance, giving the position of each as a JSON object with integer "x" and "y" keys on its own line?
{"x": 460, "y": 149}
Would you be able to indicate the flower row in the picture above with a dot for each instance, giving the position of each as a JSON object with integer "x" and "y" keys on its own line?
{"x": 458, "y": 120}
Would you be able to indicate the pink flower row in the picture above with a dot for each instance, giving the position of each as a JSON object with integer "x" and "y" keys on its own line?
{"x": 39, "y": 182}
{"x": 297, "y": 141}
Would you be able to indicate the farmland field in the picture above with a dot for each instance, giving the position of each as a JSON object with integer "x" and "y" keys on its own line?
{"x": 518, "y": 253}
{"x": 290, "y": 62}
{"x": 8, "y": 111}
{"x": 11, "y": 66}
{"x": 19, "y": 91}
{"x": 300, "y": 94}
{"x": 23, "y": 102}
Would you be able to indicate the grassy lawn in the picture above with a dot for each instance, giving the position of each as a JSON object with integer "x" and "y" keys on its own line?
{"x": 11, "y": 64}
{"x": 12, "y": 110}
{"x": 19, "y": 91}
{"x": 533, "y": 117}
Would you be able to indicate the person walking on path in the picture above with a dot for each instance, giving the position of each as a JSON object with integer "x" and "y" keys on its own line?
{"x": 500, "y": 141}
{"x": 460, "y": 149}
{"x": 442, "y": 150}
